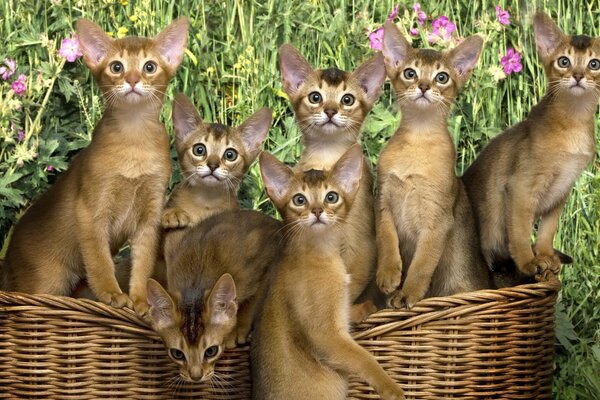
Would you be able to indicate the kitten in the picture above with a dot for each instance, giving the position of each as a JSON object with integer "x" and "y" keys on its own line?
{"x": 526, "y": 173}
{"x": 215, "y": 281}
{"x": 425, "y": 226}
{"x": 301, "y": 345}
{"x": 330, "y": 106}
{"x": 114, "y": 189}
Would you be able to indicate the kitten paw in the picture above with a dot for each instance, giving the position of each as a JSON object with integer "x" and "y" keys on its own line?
{"x": 175, "y": 218}
{"x": 115, "y": 299}
{"x": 541, "y": 264}
{"x": 360, "y": 312}
{"x": 230, "y": 342}
{"x": 389, "y": 275}
{"x": 141, "y": 308}
{"x": 404, "y": 299}
{"x": 393, "y": 394}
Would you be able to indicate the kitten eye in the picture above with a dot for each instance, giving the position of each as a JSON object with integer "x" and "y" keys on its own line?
{"x": 150, "y": 67}
{"x": 442, "y": 78}
{"x": 230, "y": 155}
{"x": 299, "y": 200}
{"x": 211, "y": 351}
{"x": 594, "y": 64}
{"x": 315, "y": 97}
{"x": 199, "y": 149}
{"x": 332, "y": 198}
{"x": 410, "y": 73}
{"x": 564, "y": 62}
{"x": 348, "y": 100}
{"x": 116, "y": 67}
{"x": 176, "y": 354}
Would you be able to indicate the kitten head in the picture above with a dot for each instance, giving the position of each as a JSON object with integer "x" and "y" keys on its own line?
{"x": 426, "y": 79}
{"x": 572, "y": 63}
{"x": 133, "y": 69}
{"x": 194, "y": 327}
{"x": 215, "y": 154}
{"x": 330, "y": 104}
{"x": 313, "y": 200}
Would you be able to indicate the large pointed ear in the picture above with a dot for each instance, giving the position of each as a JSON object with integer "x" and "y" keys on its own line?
{"x": 396, "y": 48}
{"x": 171, "y": 42}
{"x": 162, "y": 308}
{"x": 348, "y": 169}
{"x": 293, "y": 67}
{"x": 276, "y": 176}
{"x": 548, "y": 35}
{"x": 370, "y": 76}
{"x": 254, "y": 131}
{"x": 464, "y": 57}
{"x": 222, "y": 303}
{"x": 185, "y": 117}
{"x": 94, "y": 43}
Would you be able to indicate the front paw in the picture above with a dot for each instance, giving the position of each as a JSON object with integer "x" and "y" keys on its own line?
{"x": 541, "y": 264}
{"x": 175, "y": 218}
{"x": 115, "y": 299}
{"x": 407, "y": 297}
{"x": 394, "y": 393}
{"x": 360, "y": 312}
{"x": 231, "y": 340}
{"x": 389, "y": 274}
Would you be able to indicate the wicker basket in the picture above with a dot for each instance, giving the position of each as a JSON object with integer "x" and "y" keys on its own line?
{"x": 486, "y": 344}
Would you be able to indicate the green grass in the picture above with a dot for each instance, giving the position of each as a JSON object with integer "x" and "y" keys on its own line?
{"x": 232, "y": 71}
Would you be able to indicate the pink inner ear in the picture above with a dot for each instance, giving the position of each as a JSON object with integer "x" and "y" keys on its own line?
{"x": 294, "y": 68}
{"x": 171, "y": 42}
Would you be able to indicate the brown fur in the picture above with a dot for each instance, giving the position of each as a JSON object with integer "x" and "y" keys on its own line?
{"x": 325, "y": 144}
{"x": 425, "y": 226}
{"x": 185, "y": 319}
{"x": 301, "y": 346}
{"x": 527, "y": 172}
{"x": 114, "y": 189}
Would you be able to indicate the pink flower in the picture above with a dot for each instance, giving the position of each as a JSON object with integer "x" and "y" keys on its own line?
{"x": 376, "y": 39}
{"x": 502, "y": 15}
{"x": 394, "y": 13}
{"x": 20, "y": 135}
{"x": 414, "y": 31}
{"x": 49, "y": 168}
{"x": 69, "y": 49}
{"x": 511, "y": 62}
{"x": 443, "y": 27}
{"x": 421, "y": 16}
{"x": 19, "y": 86}
{"x": 8, "y": 69}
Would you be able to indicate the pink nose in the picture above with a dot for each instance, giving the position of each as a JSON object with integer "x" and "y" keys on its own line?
{"x": 578, "y": 77}
{"x": 330, "y": 112}
{"x": 317, "y": 212}
{"x": 424, "y": 87}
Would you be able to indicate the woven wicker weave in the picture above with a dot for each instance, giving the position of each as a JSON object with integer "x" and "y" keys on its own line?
{"x": 486, "y": 344}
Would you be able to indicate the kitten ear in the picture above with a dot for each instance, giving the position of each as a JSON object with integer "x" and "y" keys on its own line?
{"x": 254, "y": 131}
{"x": 293, "y": 67}
{"x": 276, "y": 177}
{"x": 185, "y": 116}
{"x": 170, "y": 43}
{"x": 396, "y": 48}
{"x": 94, "y": 43}
{"x": 222, "y": 304}
{"x": 162, "y": 308}
{"x": 548, "y": 35}
{"x": 464, "y": 57}
{"x": 348, "y": 169}
{"x": 370, "y": 76}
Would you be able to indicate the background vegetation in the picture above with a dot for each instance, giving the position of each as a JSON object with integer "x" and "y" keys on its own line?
{"x": 231, "y": 70}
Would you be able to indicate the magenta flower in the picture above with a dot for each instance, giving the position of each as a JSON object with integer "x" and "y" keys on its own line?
{"x": 414, "y": 31}
{"x": 421, "y": 16}
{"x": 443, "y": 27}
{"x": 394, "y": 13}
{"x": 511, "y": 62}
{"x": 502, "y": 15}
{"x": 8, "y": 69}
{"x": 69, "y": 49}
{"x": 376, "y": 39}
{"x": 19, "y": 86}
{"x": 20, "y": 135}
{"x": 49, "y": 168}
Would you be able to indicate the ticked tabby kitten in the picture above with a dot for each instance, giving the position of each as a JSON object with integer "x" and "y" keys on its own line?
{"x": 425, "y": 228}
{"x": 301, "y": 347}
{"x": 114, "y": 189}
{"x": 330, "y": 106}
{"x": 215, "y": 281}
{"x": 526, "y": 173}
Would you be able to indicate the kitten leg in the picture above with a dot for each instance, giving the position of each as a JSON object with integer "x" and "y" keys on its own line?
{"x": 545, "y": 237}
{"x": 144, "y": 246}
{"x": 174, "y": 218}
{"x": 389, "y": 262}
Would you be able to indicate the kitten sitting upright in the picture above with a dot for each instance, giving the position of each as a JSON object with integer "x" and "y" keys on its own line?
{"x": 331, "y": 106}
{"x": 527, "y": 172}
{"x": 114, "y": 189}
{"x": 301, "y": 348}
{"x": 425, "y": 226}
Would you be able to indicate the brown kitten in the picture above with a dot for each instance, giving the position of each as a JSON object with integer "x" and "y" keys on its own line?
{"x": 425, "y": 226}
{"x": 206, "y": 311}
{"x": 114, "y": 189}
{"x": 301, "y": 347}
{"x": 330, "y": 106}
{"x": 526, "y": 173}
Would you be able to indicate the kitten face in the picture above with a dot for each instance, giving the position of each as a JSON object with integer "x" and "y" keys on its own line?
{"x": 313, "y": 200}
{"x": 572, "y": 63}
{"x": 426, "y": 78}
{"x": 194, "y": 331}
{"x": 215, "y": 154}
{"x": 132, "y": 70}
{"x": 330, "y": 102}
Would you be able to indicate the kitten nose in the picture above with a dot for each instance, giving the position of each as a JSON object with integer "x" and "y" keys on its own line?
{"x": 132, "y": 78}
{"x": 578, "y": 77}
{"x": 212, "y": 163}
{"x": 424, "y": 87}
{"x": 330, "y": 112}
{"x": 317, "y": 212}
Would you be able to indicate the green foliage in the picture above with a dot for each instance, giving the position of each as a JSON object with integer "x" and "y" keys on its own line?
{"x": 231, "y": 70}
